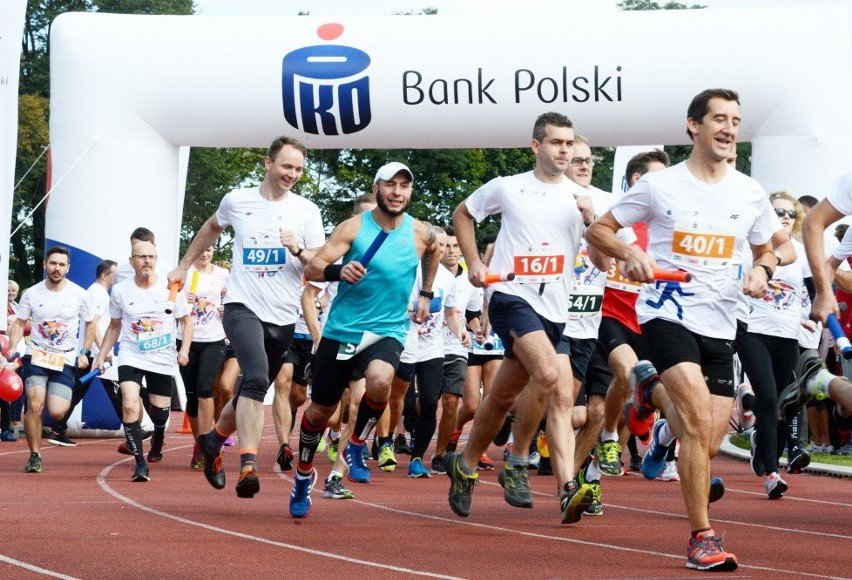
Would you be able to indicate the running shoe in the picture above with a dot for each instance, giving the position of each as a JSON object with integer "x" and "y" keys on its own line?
{"x": 774, "y": 486}
{"x": 639, "y": 414}
{"x": 534, "y": 458}
{"x": 717, "y": 489}
{"x": 416, "y": 469}
{"x": 333, "y": 489}
{"x": 744, "y": 416}
{"x": 670, "y": 472}
{"x": 461, "y": 485}
{"x": 214, "y": 471}
{"x": 757, "y": 466}
{"x": 503, "y": 435}
{"x": 507, "y": 451}
{"x": 300, "y": 497}
{"x": 485, "y": 463}
{"x": 321, "y": 445}
{"x": 197, "y": 461}
{"x": 609, "y": 458}
{"x": 636, "y": 463}
{"x": 575, "y": 500}
{"x": 387, "y": 460}
{"x": 229, "y": 442}
{"x": 58, "y": 438}
{"x": 155, "y": 454}
{"x": 33, "y": 463}
{"x": 654, "y": 461}
{"x": 7, "y": 436}
{"x": 285, "y": 457}
{"x": 596, "y": 507}
{"x": 705, "y": 552}
{"x": 141, "y": 473}
{"x": 400, "y": 445}
{"x": 796, "y": 395}
{"x": 354, "y": 456}
{"x": 438, "y": 465}
{"x": 374, "y": 450}
{"x": 797, "y": 460}
{"x": 541, "y": 444}
{"x": 124, "y": 449}
{"x": 248, "y": 484}
{"x": 333, "y": 449}
{"x": 545, "y": 467}
{"x": 515, "y": 481}
{"x": 454, "y": 441}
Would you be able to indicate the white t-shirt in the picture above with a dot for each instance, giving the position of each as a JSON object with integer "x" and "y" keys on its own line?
{"x": 147, "y": 339}
{"x": 779, "y": 312}
{"x": 265, "y": 277}
{"x": 539, "y": 238}
{"x": 704, "y": 229}
{"x": 587, "y": 289}
{"x": 409, "y": 349}
{"x": 468, "y": 297}
{"x": 209, "y": 293}
{"x": 99, "y": 303}
{"x": 55, "y": 318}
{"x": 430, "y": 332}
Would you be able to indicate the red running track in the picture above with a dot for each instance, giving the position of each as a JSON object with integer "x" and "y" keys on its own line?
{"x": 83, "y": 518}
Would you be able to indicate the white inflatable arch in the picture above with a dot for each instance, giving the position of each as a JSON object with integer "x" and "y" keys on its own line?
{"x": 127, "y": 92}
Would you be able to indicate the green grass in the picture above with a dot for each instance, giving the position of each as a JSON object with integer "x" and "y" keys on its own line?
{"x": 845, "y": 460}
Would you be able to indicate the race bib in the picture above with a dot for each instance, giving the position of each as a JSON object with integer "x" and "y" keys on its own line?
{"x": 263, "y": 253}
{"x": 617, "y": 281}
{"x": 154, "y": 340}
{"x": 491, "y": 346}
{"x": 539, "y": 265}
{"x": 54, "y": 361}
{"x": 347, "y": 350}
{"x": 703, "y": 244}
{"x": 584, "y": 302}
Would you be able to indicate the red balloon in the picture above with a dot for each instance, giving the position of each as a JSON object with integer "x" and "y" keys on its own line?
{"x": 11, "y": 385}
{"x": 4, "y": 345}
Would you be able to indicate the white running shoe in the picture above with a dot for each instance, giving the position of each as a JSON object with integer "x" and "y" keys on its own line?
{"x": 670, "y": 472}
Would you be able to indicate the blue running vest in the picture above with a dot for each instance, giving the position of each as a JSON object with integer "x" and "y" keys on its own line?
{"x": 378, "y": 303}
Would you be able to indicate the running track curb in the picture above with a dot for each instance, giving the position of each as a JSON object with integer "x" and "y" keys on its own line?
{"x": 731, "y": 450}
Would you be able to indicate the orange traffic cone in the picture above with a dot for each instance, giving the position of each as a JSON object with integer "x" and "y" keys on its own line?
{"x": 185, "y": 428}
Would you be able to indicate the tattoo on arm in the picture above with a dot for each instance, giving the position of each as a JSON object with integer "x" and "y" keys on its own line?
{"x": 431, "y": 235}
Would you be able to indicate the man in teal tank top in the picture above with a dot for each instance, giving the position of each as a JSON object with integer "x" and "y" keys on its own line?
{"x": 381, "y": 251}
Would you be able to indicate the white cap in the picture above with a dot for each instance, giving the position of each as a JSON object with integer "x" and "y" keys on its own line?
{"x": 388, "y": 171}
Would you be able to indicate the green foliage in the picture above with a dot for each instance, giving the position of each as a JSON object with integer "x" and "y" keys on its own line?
{"x": 172, "y": 7}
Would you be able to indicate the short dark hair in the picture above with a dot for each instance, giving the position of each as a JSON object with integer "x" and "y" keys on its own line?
{"x": 808, "y": 201}
{"x": 840, "y": 231}
{"x": 363, "y": 199}
{"x": 281, "y": 142}
{"x": 698, "y": 107}
{"x": 57, "y": 250}
{"x": 451, "y": 231}
{"x": 104, "y": 267}
{"x": 551, "y": 118}
{"x": 143, "y": 235}
{"x": 640, "y": 162}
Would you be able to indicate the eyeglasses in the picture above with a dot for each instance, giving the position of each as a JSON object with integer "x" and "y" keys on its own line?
{"x": 580, "y": 161}
{"x": 791, "y": 213}
{"x": 145, "y": 256}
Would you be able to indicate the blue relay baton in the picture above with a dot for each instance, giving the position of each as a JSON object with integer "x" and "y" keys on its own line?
{"x": 87, "y": 378}
{"x": 839, "y": 336}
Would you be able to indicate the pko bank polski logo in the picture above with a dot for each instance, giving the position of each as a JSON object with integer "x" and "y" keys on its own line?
{"x": 324, "y": 87}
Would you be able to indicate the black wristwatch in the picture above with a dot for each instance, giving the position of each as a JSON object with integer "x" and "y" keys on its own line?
{"x": 299, "y": 250}
{"x": 427, "y": 294}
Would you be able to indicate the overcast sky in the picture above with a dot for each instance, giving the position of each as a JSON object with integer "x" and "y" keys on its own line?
{"x": 345, "y": 7}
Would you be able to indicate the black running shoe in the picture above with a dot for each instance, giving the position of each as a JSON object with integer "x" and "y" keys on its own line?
{"x": 155, "y": 454}
{"x": 248, "y": 484}
{"x": 58, "y": 438}
{"x": 285, "y": 457}
{"x": 140, "y": 473}
{"x": 213, "y": 469}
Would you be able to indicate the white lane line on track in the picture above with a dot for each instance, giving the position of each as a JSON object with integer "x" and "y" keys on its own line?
{"x": 105, "y": 486}
{"x": 35, "y": 569}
